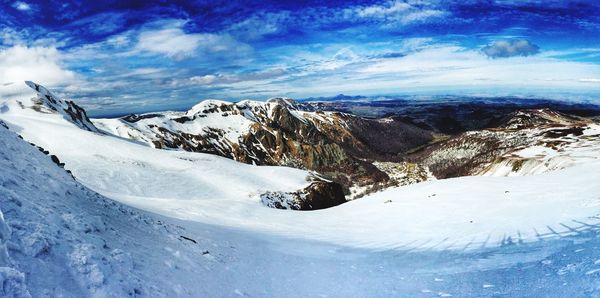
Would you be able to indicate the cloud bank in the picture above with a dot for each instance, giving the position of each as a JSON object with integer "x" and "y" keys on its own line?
{"x": 510, "y": 48}
{"x": 40, "y": 64}
{"x": 173, "y": 54}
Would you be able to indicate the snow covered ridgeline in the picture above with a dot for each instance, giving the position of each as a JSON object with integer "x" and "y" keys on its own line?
{"x": 48, "y": 102}
{"x": 339, "y": 145}
{"x": 318, "y": 191}
{"x": 448, "y": 214}
{"x": 558, "y": 140}
{"x": 100, "y": 248}
{"x": 277, "y": 132}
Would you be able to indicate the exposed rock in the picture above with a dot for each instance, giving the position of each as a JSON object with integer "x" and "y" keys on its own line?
{"x": 48, "y": 102}
{"x": 472, "y": 153}
{"x": 276, "y": 132}
{"x": 318, "y": 195}
{"x": 532, "y": 118}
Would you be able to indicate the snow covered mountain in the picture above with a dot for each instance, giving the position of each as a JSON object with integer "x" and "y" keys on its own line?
{"x": 300, "y": 189}
{"x": 60, "y": 239}
{"x": 213, "y": 189}
{"x": 362, "y": 154}
{"x": 276, "y": 132}
{"x": 205, "y": 227}
{"x": 525, "y": 142}
{"x": 46, "y": 102}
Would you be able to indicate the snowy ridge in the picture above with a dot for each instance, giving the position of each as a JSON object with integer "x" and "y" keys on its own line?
{"x": 538, "y": 118}
{"x": 68, "y": 109}
{"x": 278, "y": 132}
{"x": 528, "y": 142}
{"x": 217, "y": 122}
{"x": 209, "y": 189}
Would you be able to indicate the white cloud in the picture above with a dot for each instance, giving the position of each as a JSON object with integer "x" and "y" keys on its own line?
{"x": 212, "y": 79}
{"x": 451, "y": 66}
{"x": 22, "y": 6}
{"x": 390, "y": 8}
{"x": 9, "y": 36}
{"x": 341, "y": 58}
{"x": 590, "y": 80}
{"x": 510, "y": 48}
{"x": 444, "y": 68}
{"x": 261, "y": 24}
{"x": 204, "y": 80}
{"x": 421, "y": 15}
{"x": 415, "y": 43}
{"x": 173, "y": 42}
{"x": 39, "y": 64}
{"x": 394, "y": 13}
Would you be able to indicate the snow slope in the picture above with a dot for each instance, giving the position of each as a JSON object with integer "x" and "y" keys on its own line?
{"x": 473, "y": 236}
{"x": 58, "y": 238}
{"x": 453, "y": 213}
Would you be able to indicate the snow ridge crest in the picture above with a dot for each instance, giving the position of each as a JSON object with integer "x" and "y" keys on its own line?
{"x": 68, "y": 109}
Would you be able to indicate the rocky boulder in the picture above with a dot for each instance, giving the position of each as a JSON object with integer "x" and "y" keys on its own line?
{"x": 318, "y": 195}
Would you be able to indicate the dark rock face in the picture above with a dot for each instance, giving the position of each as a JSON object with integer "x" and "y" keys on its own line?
{"x": 337, "y": 145}
{"x": 321, "y": 195}
{"x": 135, "y": 118}
{"x": 318, "y": 195}
{"x": 384, "y": 139}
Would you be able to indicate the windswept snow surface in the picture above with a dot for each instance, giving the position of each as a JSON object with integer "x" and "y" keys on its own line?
{"x": 60, "y": 239}
{"x": 471, "y": 236}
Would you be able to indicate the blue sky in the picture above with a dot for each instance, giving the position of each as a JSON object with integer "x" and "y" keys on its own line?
{"x": 126, "y": 55}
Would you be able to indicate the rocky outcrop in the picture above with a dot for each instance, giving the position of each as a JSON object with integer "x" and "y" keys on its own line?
{"x": 475, "y": 152}
{"x": 318, "y": 195}
{"x": 276, "y": 132}
{"x": 48, "y": 102}
{"x": 465, "y": 154}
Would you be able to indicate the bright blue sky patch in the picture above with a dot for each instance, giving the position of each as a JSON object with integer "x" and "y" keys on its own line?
{"x": 121, "y": 55}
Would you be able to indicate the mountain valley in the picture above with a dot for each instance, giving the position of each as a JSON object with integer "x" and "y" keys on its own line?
{"x": 87, "y": 204}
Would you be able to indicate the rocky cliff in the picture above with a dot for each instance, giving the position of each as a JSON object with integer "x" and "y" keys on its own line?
{"x": 276, "y": 132}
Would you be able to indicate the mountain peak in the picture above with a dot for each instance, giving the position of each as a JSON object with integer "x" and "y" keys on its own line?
{"x": 207, "y": 105}
{"x": 68, "y": 109}
{"x": 287, "y": 102}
